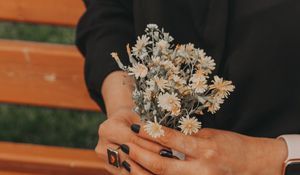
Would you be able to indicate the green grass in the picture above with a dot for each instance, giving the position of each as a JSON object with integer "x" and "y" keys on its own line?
{"x": 41, "y": 33}
{"x": 58, "y": 127}
{"x": 69, "y": 128}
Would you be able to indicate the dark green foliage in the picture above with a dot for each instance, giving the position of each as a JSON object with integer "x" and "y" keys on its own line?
{"x": 41, "y": 33}
{"x": 49, "y": 126}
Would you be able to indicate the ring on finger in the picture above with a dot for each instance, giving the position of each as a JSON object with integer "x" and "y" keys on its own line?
{"x": 113, "y": 157}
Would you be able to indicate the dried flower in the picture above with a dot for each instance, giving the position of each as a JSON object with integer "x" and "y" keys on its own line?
{"x": 213, "y": 105}
{"x": 152, "y": 26}
{"x": 154, "y": 129}
{"x": 189, "y": 125}
{"x": 138, "y": 70}
{"x": 208, "y": 63}
{"x": 139, "y": 49}
{"x": 199, "y": 85}
{"x": 171, "y": 82}
{"x": 161, "y": 83}
{"x": 169, "y": 102}
{"x": 222, "y": 87}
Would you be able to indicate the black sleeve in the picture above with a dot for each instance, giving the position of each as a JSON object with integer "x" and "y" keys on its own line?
{"x": 106, "y": 26}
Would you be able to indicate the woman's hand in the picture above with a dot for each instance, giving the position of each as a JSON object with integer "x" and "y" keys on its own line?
{"x": 212, "y": 152}
{"x": 115, "y": 131}
{"x": 116, "y": 91}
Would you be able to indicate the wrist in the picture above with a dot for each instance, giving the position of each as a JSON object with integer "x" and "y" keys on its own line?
{"x": 280, "y": 154}
{"x": 271, "y": 154}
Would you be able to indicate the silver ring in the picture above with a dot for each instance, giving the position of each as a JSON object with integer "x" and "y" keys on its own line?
{"x": 113, "y": 157}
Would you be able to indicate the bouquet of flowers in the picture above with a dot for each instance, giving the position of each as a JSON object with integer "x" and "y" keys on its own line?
{"x": 172, "y": 83}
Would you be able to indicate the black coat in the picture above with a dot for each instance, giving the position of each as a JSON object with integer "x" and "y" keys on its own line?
{"x": 256, "y": 44}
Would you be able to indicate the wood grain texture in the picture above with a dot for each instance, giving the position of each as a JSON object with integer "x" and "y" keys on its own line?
{"x": 44, "y": 75}
{"x": 55, "y": 12}
{"x": 28, "y": 158}
{"x": 15, "y": 173}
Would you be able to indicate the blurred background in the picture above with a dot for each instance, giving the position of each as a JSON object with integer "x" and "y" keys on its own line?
{"x": 40, "y": 125}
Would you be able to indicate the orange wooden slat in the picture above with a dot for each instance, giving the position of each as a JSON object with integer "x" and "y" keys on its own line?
{"x": 15, "y": 173}
{"x": 28, "y": 158}
{"x": 57, "y": 12}
{"x": 43, "y": 74}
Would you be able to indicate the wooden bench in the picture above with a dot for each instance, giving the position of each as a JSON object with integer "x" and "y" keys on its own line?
{"x": 48, "y": 75}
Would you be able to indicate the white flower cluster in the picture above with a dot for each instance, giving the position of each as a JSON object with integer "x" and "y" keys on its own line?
{"x": 171, "y": 82}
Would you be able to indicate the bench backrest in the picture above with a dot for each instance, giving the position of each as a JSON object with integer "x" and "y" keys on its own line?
{"x": 42, "y": 74}
{"x": 56, "y": 12}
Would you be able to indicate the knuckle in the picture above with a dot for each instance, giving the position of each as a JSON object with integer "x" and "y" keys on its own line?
{"x": 158, "y": 168}
{"x": 134, "y": 140}
{"x": 165, "y": 140}
{"x": 102, "y": 129}
{"x": 210, "y": 154}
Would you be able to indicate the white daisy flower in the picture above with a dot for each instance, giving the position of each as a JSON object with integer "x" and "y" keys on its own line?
{"x": 152, "y": 26}
{"x": 168, "y": 101}
{"x": 175, "y": 111}
{"x": 207, "y": 64}
{"x": 200, "y": 74}
{"x": 189, "y": 47}
{"x": 222, "y": 87}
{"x": 185, "y": 90}
{"x": 161, "y": 83}
{"x": 168, "y": 65}
{"x": 139, "y": 49}
{"x": 138, "y": 70}
{"x": 178, "y": 81}
{"x": 184, "y": 54}
{"x": 162, "y": 46}
{"x": 201, "y": 54}
{"x": 199, "y": 85}
{"x": 156, "y": 60}
{"x": 154, "y": 129}
{"x": 213, "y": 105}
{"x": 189, "y": 125}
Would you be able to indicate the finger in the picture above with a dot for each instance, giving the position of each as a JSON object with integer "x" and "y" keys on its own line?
{"x": 103, "y": 154}
{"x": 130, "y": 167}
{"x": 151, "y": 161}
{"x": 178, "y": 141}
{"x": 123, "y": 134}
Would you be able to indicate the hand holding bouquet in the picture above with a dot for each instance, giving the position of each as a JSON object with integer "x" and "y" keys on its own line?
{"x": 172, "y": 83}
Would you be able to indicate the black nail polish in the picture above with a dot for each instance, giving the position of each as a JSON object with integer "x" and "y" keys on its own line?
{"x": 126, "y": 166}
{"x": 125, "y": 148}
{"x": 135, "y": 128}
{"x": 166, "y": 153}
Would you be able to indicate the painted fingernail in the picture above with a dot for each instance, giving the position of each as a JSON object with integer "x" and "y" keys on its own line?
{"x": 135, "y": 128}
{"x": 166, "y": 153}
{"x": 126, "y": 165}
{"x": 125, "y": 148}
